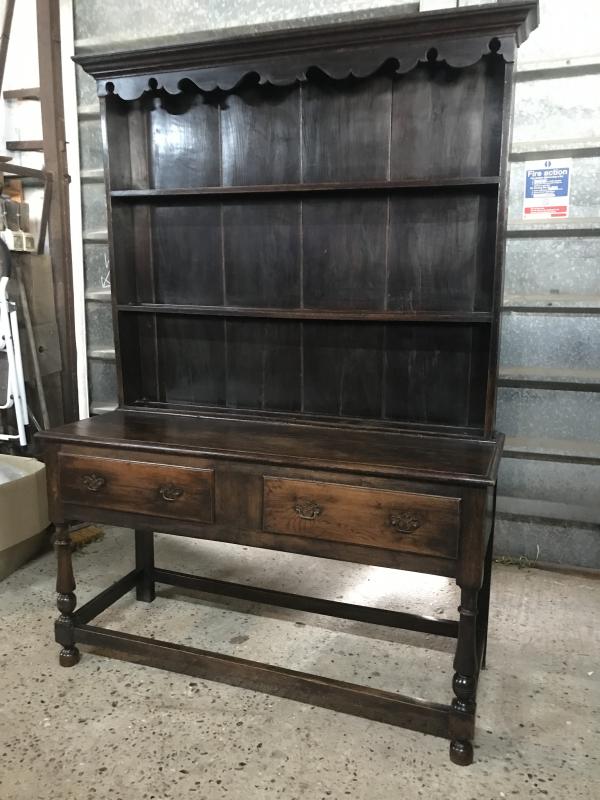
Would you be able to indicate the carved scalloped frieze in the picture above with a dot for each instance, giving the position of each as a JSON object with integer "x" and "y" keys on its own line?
{"x": 337, "y": 64}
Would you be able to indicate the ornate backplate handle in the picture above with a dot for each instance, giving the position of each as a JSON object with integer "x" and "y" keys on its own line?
{"x": 306, "y": 509}
{"x": 93, "y": 482}
{"x": 170, "y": 493}
{"x": 405, "y": 521}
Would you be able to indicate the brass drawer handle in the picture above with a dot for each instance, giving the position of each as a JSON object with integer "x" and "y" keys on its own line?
{"x": 405, "y": 521}
{"x": 170, "y": 493}
{"x": 93, "y": 482}
{"x": 306, "y": 509}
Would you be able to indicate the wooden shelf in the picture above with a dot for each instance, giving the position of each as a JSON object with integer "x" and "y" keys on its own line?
{"x": 299, "y": 188}
{"x": 22, "y": 94}
{"x": 310, "y": 313}
{"x": 306, "y": 418}
{"x": 25, "y": 146}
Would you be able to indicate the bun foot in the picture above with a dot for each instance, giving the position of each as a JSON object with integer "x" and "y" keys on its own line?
{"x": 69, "y": 656}
{"x": 461, "y": 753}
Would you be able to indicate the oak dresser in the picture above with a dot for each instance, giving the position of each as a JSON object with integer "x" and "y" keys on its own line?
{"x": 306, "y": 233}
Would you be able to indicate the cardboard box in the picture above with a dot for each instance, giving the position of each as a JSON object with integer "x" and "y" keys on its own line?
{"x": 23, "y": 511}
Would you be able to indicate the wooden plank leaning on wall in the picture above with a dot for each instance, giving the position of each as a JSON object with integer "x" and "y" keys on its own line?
{"x": 55, "y": 160}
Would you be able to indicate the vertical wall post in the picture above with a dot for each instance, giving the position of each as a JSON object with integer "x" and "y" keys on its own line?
{"x": 55, "y": 159}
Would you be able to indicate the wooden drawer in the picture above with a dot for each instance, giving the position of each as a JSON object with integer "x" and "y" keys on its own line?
{"x": 161, "y": 490}
{"x": 416, "y": 523}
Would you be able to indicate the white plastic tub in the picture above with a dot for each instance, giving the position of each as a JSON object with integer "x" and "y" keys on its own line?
{"x": 23, "y": 511}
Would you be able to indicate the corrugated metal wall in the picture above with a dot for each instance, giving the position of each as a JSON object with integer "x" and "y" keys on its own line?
{"x": 549, "y": 397}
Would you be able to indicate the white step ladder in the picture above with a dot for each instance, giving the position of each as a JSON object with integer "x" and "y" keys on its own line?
{"x": 12, "y": 383}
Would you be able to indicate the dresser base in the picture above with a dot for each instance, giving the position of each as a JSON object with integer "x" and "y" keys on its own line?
{"x": 446, "y": 721}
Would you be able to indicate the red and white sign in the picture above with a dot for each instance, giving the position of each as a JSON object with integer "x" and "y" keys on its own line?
{"x": 547, "y": 189}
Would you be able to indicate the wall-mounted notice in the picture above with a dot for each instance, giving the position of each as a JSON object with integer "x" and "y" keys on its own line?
{"x": 547, "y": 186}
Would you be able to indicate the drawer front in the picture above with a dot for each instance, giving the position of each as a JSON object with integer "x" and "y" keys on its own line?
{"x": 161, "y": 490}
{"x": 416, "y": 523}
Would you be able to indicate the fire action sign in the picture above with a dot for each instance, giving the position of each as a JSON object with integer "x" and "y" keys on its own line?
{"x": 547, "y": 186}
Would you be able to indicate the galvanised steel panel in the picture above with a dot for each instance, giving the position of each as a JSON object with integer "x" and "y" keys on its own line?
{"x": 95, "y": 257}
{"x": 550, "y": 340}
{"x": 569, "y": 544}
{"x": 99, "y": 326}
{"x": 542, "y": 265}
{"x": 103, "y": 381}
{"x": 93, "y": 201}
{"x": 86, "y": 86}
{"x": 548, "y": 414}
{"x": 557, "y": 108}
{"x": 98, "y": 22}
{"x": 568, "y": 28}
{"x": 90, "y": 150}
{"x": 557, "y": 482}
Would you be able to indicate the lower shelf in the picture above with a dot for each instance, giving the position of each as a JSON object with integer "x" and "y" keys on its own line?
{"x": 362, "y": 701}
{"x": 383, "y": 706}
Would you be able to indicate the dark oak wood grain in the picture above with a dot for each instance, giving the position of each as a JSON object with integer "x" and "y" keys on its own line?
{"x": 65, "y": 597}
{"x": 119, "y": 484}
{"x": 446, "y": 459}
{"x": 438, "y": 128}
{"x": 186, "y": 254}
{"x": 434, "y": 365}
{"x": 262, "y": 257}
{"x": 344, "y": 252}
{"x": 264, "y": 364}
{"x": 260, "y": 135}
{"x": 375, "y": 518}
{"x": 304, "y": 187}
{"x": 342, "y": 369}
{"x": 441, "y": 252}
{"x": 345, "y": 314}
{"x": 314, "y": 605}
{"x": 346, "y": 129}
{"x": 183, "y": 138}
{"x": 192, "y": 360}
{"x": 144, "y": 561}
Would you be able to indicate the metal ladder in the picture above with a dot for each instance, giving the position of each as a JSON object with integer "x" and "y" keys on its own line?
{"x": 12, "y": 383}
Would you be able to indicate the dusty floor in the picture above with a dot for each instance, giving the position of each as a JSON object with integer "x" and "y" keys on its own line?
{"x": 108, "y": 729}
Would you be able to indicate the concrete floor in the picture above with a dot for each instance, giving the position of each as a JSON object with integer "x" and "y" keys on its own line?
{"x": 108, "y": 729}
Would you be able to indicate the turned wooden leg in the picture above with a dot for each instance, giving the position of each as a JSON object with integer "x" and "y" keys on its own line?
{"x": 65, "y": 600}
{"x": 144, "y": 560}
{"x": 464, "y": 683}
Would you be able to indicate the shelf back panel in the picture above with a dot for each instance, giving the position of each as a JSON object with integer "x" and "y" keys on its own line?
{"x": 430, "y": 250}
{"x": 434, "y": 121}
{"x": 428, "y": 373}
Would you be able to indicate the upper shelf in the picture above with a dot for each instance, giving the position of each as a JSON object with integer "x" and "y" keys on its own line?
{"x": 346, "y": 315}
{"x": 294, "y": 188}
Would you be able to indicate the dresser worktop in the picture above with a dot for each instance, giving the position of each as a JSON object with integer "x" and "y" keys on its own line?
{"x": 390, "y": 453}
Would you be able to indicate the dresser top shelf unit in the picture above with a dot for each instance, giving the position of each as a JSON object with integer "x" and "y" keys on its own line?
{"x": 310, "y": 222}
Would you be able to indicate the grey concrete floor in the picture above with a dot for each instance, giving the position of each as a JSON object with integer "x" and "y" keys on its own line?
{"x": 108, "y": 729}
